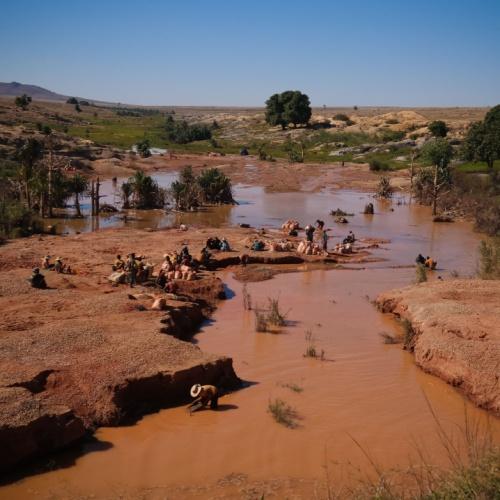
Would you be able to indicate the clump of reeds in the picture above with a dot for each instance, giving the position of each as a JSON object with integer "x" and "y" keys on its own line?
{"x": 270, "y": 317}
{"x": 260, "y": 321}
{"x": 489, "y": 259}
{"x": 384, "y": 189}
{"x": 420, "y": 274}
{"x": 275, "y": 316}
{"x": 283, "y": 413}
{"x": 311, "y": 351}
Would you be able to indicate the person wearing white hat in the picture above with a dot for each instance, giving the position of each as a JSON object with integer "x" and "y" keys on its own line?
{"x": 203, "y": 395}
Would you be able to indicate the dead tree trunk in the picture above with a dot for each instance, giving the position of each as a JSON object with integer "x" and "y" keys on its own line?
{"x": 92, "y": 198}
{"x": 412, "y": 157}
{"x": 435, "y": 190}
{"x": 97, "y": 196}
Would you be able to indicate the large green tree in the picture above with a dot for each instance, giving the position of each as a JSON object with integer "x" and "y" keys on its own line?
{"x": 438, "y": 128}
{"x": 291, "y": 106}
{"x": 482, "y": 142}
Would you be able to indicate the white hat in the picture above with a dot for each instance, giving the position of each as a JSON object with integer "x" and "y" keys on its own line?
{"x": 195, "y": 390}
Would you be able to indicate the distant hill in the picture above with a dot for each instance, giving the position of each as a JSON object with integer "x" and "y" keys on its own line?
{"x": 14, "y": 89}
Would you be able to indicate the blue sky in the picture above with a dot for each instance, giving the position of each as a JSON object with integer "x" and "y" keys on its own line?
{"x": 222, "y": 52}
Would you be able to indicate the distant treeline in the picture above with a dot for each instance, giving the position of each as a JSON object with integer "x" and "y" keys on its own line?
{"x": 137, "y": 112}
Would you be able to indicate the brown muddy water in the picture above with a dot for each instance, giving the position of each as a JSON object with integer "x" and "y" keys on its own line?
{"x": 364, "y": 389}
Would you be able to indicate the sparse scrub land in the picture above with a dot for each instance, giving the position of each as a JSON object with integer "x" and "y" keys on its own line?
{"x": 283, "y": 413}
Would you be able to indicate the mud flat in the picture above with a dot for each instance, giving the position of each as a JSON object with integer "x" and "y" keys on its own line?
{"x": 455, "y": 333}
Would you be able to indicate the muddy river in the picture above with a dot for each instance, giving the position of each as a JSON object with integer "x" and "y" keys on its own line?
{"x": 364, "y": 389}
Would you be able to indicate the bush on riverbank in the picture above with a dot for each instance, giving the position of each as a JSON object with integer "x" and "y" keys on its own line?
{"x": 210, "y": 187}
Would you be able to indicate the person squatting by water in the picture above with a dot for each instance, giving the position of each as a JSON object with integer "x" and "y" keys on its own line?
{"x": 204, "y": 394}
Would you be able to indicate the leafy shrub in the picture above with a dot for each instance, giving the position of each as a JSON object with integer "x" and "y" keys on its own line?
{"x": 392, "y": 121}
{"x": 378, "y": 165}
{"x": 438, "y": 128}
{"x": 384, "y": 189}
{"x": 391, "y": 135}
{"x": 341, "y": 117}
{"x": 143, "y": 148}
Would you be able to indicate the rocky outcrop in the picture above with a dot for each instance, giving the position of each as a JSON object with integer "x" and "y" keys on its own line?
{"x": 455, "y": 333}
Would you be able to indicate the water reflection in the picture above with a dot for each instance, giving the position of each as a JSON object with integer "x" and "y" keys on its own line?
{"x": 409, "y": 227}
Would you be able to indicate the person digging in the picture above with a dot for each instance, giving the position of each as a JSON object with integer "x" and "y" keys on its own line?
{"x": 203, "y": 394}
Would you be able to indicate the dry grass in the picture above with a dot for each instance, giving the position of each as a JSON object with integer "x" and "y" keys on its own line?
{"x": 283, "y": 413}
{"x": 473, "y": 470}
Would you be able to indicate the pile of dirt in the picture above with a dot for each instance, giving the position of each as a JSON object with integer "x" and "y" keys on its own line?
{"x": 455, "y": 333}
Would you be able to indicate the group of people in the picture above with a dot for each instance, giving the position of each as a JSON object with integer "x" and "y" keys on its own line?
{"x": 175, "y": 266}
{"x": 58, "y": 265}
{"x": 428, "y": 262}
{"x": 214, "y": 243}
{"x": 134, "y": 269}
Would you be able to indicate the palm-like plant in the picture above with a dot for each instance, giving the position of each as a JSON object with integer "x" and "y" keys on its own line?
{"x": 28, "y": 153}
{"x": 126, "y": 194}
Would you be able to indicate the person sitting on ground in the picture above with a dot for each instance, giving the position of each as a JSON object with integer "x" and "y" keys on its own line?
{"x": 37, "y": 279}
{"x": 213, "y": 243}
{"x": 430, "y": 263}
{"x": 350, "y": 238}
{"x": 224, "y": 245}
{"x": 167, "y": 264}
{"x": 119, "y": 264}
{"x": 258, "y": 245}
{"x": 59, "y": 265}
{"x": 309, "y": 232}
{"x": 184, "y": 252}
{"x": 204, "y": 394}
{"x": 420, "y": 259}
{"x": 205, "y": 257}
{"x": 46, "y": 262}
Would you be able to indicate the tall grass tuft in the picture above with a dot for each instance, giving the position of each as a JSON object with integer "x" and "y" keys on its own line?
{"x": 283, "y": 413}
{"x": 260, "y": 321}
{"x": 275, "y": 316}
